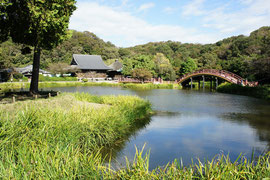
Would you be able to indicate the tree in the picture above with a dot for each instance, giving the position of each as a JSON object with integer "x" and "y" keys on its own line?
{"x": 3, "y": 21}
{"x": 188, "y": 66}
{"x": 163, "y": 67}
{"x": 41, "y": 24}
{"x": 142, "y": 74}
{"x": 59, "y": 68}
{"x": 138, "y": 62}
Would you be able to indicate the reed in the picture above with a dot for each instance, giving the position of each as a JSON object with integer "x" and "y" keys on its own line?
{"x": 62, "y": 137}
{"x": 220, "y": 167}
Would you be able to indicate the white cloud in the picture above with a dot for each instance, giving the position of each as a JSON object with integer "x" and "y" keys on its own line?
{"x": 124, "y": 2}
{"x": 255, "y": 15}
{"x": 169, "y": 10}
{"x": 246, "y": 2}
{"x": 146, "y": 6}
{"x": 123, "y": 29}
{"x": 195, "y": 7}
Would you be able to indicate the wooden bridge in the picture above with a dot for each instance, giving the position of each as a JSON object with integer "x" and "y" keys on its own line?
{"x": 226, "y": 75}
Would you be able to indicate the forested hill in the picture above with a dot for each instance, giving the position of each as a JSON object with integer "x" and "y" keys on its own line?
{"x": 14, "y": 55}
{"x": 247, "y": 56}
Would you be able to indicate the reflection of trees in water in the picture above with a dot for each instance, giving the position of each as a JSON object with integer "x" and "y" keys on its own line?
{"x": 113, "y": 151}
{"x": 259, "y": 122}
{"x": 142, "y": 92}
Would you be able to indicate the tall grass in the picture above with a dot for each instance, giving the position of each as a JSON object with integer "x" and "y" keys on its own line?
{"x": 61, "y": 137}
{"x": 220, "y": 167}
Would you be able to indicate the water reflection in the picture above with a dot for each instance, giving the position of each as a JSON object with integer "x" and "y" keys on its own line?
{"x": 190, "y": 124}
{"x": 112, "y": 152}
{"x": 259, "y": 122}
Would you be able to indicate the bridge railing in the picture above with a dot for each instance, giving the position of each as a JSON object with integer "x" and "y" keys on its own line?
{"x": 135, "y": 80}
{"x": 225, "y": 74}
{"x": 231, "y": 77}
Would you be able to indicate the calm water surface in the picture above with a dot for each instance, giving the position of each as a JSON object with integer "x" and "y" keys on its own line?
{"x": 193, "y": 124}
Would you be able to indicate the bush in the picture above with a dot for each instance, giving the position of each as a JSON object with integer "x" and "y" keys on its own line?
{"x": 258, "y": 92}
{"x": 17, "y": 75}
{"x": 85, "y": 80}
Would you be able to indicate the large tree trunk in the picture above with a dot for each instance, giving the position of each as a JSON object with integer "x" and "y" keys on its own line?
{"x": 35, "y": 71}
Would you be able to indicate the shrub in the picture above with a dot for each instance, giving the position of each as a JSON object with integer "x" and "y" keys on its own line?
{"x": 17, "y": 75}
{"x": 258, "y": 92}
{"x": 85, "y": 80}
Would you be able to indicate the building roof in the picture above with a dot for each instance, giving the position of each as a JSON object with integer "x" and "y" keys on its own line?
{"x": 28, "y": 69}
{"x": 89, "y": 62}
{"x": 116, "y": 66}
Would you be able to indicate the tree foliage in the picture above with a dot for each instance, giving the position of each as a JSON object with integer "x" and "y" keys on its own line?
{"x": 188, "y": 66}
{"x": 37, "y": 23}
{"x": 163, "y": 67}
{"x": 141, "y": 73}
{"x": 138, "y": 62}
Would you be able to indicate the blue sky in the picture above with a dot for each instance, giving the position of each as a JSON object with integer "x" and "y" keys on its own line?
{"x": 127, "y": 23}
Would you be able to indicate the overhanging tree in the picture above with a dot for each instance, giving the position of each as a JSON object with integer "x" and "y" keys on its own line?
{"x": 41, "y": 24}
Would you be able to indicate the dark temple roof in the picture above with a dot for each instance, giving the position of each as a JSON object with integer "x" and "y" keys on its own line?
{"x": 89, "y": 62}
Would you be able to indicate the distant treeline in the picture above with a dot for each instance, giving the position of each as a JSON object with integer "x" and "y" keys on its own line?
{"x": 247, "y": 56}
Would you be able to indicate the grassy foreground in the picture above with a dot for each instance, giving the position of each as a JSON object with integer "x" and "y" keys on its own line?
{"x": 61, "y": 137}
{"x": 262, "y": 92}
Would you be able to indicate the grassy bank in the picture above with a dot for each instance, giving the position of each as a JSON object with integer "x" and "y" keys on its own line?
{"x": 61, "y": 137}
{"x": 15, "y": 85}
{"x": 262, "y": 92}
{"x": 18, "y": 85}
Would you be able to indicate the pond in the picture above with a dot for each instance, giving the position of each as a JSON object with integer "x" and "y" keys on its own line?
{"x": 193, "y": 124}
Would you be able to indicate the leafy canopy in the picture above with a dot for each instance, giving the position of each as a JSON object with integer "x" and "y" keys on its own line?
{"x": 142, "y": 74}
{"x": 188, "y": 66}
{"x": 39, "y": 23}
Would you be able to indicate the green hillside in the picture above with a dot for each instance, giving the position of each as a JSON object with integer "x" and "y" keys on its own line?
{"x": 247, "y": 56}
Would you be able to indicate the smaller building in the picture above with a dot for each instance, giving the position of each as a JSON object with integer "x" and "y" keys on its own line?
{"x": 117, "y": 68}
{"x": 27, "y": 71}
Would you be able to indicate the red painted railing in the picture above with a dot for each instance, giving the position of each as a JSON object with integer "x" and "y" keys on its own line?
{"x": 228, "y": 76}
{"x": 134, "y": 80}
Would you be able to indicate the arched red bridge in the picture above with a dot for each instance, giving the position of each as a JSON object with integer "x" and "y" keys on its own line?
{"x": 226, "y": 75}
